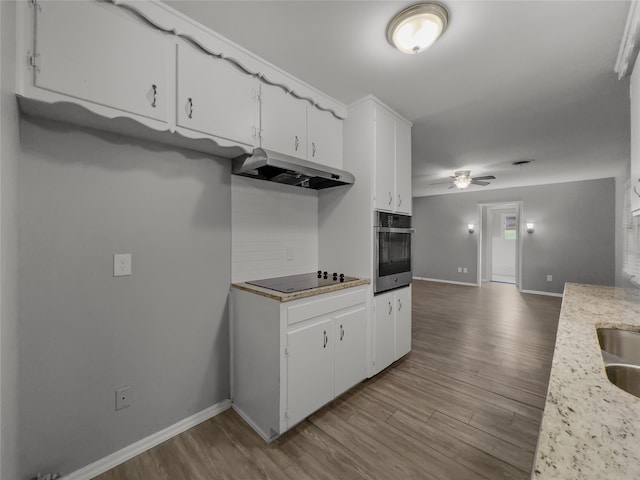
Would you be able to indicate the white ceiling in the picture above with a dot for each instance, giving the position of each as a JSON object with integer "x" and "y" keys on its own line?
{"x": 509, "y": 80}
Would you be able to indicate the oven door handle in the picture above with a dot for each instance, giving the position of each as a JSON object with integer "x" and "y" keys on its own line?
{"x": 394, "y": 230}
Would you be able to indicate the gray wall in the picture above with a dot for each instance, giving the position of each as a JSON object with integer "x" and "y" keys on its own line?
{"x": 9, "y": 161}
{"x": 574, "y": 237}
{"x": 86, "y": 195}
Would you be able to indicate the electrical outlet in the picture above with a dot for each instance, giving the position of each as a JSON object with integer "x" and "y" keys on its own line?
{"x": 123, "y": 398}
{"x": 549, "y": 278}
{"x": 459, "y": 269}
{"x": 464, "y": 270}
{"x": 121, "y": 264}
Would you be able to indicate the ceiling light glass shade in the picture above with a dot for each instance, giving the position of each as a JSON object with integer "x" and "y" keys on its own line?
{"x": 414, "y": 29}
{"x": 462, "y": 181}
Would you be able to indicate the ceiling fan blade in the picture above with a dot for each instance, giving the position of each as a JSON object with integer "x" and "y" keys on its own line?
{"x": 451, "y": 187}
{"x": 441, "y": 183}
{"x": 486, "y": 177}
{"x": 475, "y": 182}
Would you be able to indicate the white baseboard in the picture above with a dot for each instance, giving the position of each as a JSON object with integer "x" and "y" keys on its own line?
{"x": 537, "y": 292}
{"x": 251, "y": 423}
{"x": 446, "y": 281}
{"x": 121, "y": 456}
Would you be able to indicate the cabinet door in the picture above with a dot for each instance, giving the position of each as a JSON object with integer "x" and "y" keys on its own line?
{"x": 350, "y": 364}
{"x": 403, "y": 322}
{"x": 309, "y": 368}
{"x": 324, "y": 138}
{"x": 385, "y": 149}
{"x": 403, "y": 167}
{"x": 101, "y": 53}
{"x": 384, "y": 332}
{"x": 635, "y": 141}
{"x": 283, "y": 122}
{"x": 215, "y": 97}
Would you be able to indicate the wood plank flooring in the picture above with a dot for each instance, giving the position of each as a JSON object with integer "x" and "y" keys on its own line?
{"x": 466, "y": 403}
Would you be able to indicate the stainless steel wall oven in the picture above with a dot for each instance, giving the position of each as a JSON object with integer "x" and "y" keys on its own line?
{"x": 392, "y": 251}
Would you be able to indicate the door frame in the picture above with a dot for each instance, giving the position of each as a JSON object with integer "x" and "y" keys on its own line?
{"x": 485, "y": 207}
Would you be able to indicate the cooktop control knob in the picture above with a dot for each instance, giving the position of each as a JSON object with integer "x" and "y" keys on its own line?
{"x": 335, "y": 276}
{"x": 319, "y": 273}
{"x": 325, "y": 275}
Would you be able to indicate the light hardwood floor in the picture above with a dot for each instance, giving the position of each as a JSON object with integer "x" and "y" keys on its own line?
{"x": 466, "y": 403}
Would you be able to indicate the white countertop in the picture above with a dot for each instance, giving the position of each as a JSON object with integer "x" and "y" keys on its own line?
{"x": 590, "y": 428}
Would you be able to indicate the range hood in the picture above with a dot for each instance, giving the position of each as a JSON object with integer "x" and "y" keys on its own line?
{"x": 276, "y": 167}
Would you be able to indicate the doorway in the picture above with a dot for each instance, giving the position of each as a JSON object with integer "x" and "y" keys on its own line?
{"x": 499, "y": 245}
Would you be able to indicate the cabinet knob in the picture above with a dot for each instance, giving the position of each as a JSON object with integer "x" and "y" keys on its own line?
{"x": 190, "y": 105}
{"x": 296, "y": 143}
{"x": 390, "y": 307}
{"x": 154, "y": 103}
{"x": 390, "y": 198}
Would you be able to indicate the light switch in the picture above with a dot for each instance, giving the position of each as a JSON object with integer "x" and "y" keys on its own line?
{"x": 121, "y": 264}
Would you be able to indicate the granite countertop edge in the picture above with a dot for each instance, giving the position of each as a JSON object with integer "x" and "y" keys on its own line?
{"x": 590, "y": 428}
{"x": 288, "y": 297}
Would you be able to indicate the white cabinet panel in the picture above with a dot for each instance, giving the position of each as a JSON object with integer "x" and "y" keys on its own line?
{"x": 403, "y": 167}
{"x": 403, "y": 322}
{"x": 215, "y": 97}
{"x": 635, "y": 140}
{"x": 283, "y": 122}
{"x": 350, "y": 331}
{"x": 324, "y": 142}
{"x": 309, "y": 368}
{"x": 384, "y": 332}
{"x": 385, "y": 150}
{"x": 95, "y": 52}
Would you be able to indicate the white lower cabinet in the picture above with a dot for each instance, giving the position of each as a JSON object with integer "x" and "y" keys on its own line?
{"x": 392, "y": 328}
{"x": 289, "y": 359}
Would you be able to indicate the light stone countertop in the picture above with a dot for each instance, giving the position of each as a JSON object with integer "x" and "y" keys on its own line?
{"x": 288, "y": 297}
{"x": 590, "y": 428}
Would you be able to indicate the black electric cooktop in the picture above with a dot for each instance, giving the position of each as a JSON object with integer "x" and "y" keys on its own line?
{"x": 305, "y": 281}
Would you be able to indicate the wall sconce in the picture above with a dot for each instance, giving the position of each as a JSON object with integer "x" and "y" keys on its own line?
{"x": 470, "y": 227}
{"x": 530, "y": 227}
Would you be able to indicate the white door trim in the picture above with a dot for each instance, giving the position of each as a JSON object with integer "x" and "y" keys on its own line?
{"x": 518, "y": 205}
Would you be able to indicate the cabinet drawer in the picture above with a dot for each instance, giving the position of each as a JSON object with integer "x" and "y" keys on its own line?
{"x": 324, "y": 304}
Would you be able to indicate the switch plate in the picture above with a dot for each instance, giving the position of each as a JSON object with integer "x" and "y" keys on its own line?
{"x": 123, "y": 398}
{"x": 549, "y": 278}
{"x": 464, "y": 270}
{"x": 290, "y": 255}
{"x": 121, "y": 264}
{"x": 459, "y": 269}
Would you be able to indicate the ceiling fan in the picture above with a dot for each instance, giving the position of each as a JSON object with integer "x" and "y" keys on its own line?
{"x": 462, "y": 179}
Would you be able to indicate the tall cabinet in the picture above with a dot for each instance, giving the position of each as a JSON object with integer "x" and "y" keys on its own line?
{"x": 377, "y": 150}
{"x": 635, "y": 140}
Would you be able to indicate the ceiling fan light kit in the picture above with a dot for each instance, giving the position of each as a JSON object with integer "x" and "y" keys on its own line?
{"x": 462, "y": 179}
{"x": 416, "y": 28}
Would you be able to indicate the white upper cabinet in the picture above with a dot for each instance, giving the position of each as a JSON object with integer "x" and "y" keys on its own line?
{"x": 392, "y": 162}
{"x": 215, "y": 97}
{"x": 403, "y": 167}
{"x": 324, "y": 142}
{"x": 635, "y": 140}
{"x": 385, "y": 151}
{"x": 105, "y": 55}
{"x": 283, "y": 122}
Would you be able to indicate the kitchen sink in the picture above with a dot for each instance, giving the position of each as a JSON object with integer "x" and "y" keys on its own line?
{"x": 619, "y": 346}
{"x": 626, "y": 377}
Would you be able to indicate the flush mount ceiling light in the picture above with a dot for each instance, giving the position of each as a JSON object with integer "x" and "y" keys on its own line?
{"x": 415, "y": 28}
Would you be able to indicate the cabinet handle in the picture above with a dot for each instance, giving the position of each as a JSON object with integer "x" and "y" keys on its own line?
{"x": 399, "y": 304}
{"x": 313, "y": 149}
{"x": 190, "y": 102}
{"x": 341, "y": 333}
{"x": 390, "y": 198}
{"x": 399, "y": 200}
{"x": 325, "y": 339}
{"x": 390, "y": 307}
{"x": 296, "y": 143}
{"x": 635, "y": 187}
{"x": 155, "y": 96}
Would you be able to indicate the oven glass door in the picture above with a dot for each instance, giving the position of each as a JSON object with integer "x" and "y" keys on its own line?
{"x": 394, "y": 253}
